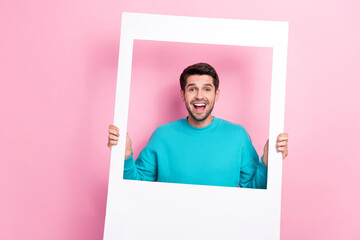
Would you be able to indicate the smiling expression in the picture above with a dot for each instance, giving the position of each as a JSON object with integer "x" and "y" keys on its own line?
{"x": 200, "y": 97}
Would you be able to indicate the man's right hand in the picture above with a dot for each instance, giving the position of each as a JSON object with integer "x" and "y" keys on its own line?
{"x": 113, "y": 140}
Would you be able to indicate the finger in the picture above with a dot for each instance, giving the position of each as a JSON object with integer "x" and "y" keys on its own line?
{"x": 113, "y": 137}
{"x": 281, "y": 144}
{"x": 280, "y": 139}
{"x": 283, "y": 137}
{"x": 281, "y": 149}
{"x": 113, "y": 127}
{"x": 114, "y": 132}
{"x": 113, "y": 142}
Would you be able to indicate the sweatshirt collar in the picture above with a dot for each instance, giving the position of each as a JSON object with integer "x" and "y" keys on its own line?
{"x": 210, "y": 127}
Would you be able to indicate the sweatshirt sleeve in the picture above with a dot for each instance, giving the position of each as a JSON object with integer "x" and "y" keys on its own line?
{"x": 253, "y": 174}
{"x": 145, "y": 166}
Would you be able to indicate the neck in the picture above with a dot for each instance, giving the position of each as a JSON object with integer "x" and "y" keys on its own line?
{"x": 200, "y": 124}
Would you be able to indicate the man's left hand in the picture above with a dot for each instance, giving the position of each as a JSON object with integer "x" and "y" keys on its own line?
{"x": 281, "y": 146}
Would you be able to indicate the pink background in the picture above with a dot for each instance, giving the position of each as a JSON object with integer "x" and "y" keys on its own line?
{"x": 155, "y": 88}
{"x": 58, "y": 63}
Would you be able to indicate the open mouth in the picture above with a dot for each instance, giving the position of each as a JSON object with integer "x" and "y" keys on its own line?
{"x": 199, "y": 107}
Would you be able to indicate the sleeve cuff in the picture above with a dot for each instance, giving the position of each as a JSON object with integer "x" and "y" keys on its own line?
{"x": 262, "y": 163}
{"x": 262, "y": 168}
{"x": 129, "y": 163}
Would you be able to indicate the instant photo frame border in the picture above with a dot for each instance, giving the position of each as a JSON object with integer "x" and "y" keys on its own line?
{"x": 154, "y": 210}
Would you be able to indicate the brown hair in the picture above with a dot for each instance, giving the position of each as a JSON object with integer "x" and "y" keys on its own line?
{"x": 199, "y": 69}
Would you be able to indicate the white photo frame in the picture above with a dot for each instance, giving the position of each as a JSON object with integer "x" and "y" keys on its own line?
{"x": 147, "y": 210}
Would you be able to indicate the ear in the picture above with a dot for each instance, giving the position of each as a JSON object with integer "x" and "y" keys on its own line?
{"x": 217, "y": 94}
{"x": 182, "y": 94}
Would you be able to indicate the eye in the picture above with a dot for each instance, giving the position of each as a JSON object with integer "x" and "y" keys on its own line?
{"x": 207, "y": 89}
{"x": 191, "y": 89}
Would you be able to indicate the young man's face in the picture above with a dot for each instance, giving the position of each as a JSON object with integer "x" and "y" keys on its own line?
{"x": 199, "y": 96}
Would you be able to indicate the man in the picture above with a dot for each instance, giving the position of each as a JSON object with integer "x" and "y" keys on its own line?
{"x": 200, "y": 149}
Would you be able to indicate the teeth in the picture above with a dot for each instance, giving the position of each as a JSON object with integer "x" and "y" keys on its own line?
{"x": 199, "y": 104}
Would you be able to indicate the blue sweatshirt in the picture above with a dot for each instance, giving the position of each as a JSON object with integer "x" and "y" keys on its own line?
{"x": 220, "y": 154}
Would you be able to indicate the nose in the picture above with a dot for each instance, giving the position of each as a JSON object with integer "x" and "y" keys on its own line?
{"x": 199, "y": 94}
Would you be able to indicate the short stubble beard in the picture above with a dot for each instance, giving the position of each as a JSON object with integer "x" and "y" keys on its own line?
{"x": 196, "y": 118}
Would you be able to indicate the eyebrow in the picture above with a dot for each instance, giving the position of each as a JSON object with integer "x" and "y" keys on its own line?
{"x": 193, "y": 84}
